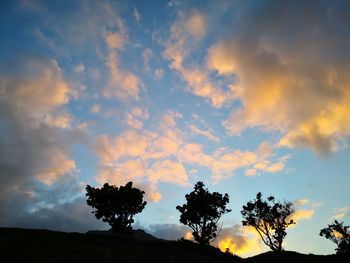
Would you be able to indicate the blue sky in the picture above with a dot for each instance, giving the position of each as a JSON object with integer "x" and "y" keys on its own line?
{"x": 245, "y": 96}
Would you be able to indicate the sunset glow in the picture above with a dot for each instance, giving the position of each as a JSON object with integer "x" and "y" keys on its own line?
{"x": 246, "y": 96}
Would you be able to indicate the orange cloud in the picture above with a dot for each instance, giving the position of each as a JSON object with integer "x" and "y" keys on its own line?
{"x": 311, "y": 95}
{"x": 140, "y": 155}
{"x": 196, "y": 24}
{"x": 60, "y": 165}
{"x": 301, "y": 214}
{"x": 135, "y": 117}
{"x": 122, "y": 83}
{"x": 241, "y": 241}
{"x": 169, "y": 171}
{"x": 164, "y": 153}
{"x": 188, "y": 235}
{"x": 188, "y": 28}
{"x": 115, "y": 40}
{"x": 60, "y": 120}
{"x": 38, "y": 96}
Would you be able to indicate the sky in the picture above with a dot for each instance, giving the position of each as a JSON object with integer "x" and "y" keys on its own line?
{"x": 246, "y": 96}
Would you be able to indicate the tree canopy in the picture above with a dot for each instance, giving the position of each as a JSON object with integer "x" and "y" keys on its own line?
{"x": 116, "y": 205}
{"x": 202, "y": 212}
{"x": 270, "y": 218}
{"x": 339, "y": 234}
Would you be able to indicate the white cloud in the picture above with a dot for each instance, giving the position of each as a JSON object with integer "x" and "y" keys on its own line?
{"x": 80, "y": 68}
{"x": 341, "y": 212}
{"x": 206, "y": 133}
{"x": 137, "y": 16}
{"x": 159, "y": 73}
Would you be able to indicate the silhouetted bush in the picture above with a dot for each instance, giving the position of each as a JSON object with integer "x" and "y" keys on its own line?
{"x": 116, "y": 206}
{"x": 269, "y": 218}
{"x": 202, "y": 212}
{"x": 338, "y": 234}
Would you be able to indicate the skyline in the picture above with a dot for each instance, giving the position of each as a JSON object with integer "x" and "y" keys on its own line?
{"x": 245, "y": 96}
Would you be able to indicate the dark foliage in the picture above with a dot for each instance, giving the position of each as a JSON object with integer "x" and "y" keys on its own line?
{"x": 270, "y": 219}
{"x": 116, "y": 206}
{"x": 202, "y": 212}
{"x": 339, "y": 234}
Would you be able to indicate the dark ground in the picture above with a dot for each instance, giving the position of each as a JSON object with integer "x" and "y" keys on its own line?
{"x": 29, "y": 245}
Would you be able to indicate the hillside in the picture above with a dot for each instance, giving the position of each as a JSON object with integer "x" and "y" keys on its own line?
{"x": 29, "y": 245}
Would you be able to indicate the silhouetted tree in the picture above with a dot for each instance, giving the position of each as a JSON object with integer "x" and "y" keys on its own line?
{"x": 202, "y": 212}
{"x": 338, "y": 234}
{"x": 116, "y": 206}
{"x": 270, "y": 219}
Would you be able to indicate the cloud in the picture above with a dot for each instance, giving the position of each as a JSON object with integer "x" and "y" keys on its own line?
{"x": 170, "y": 172}
{"x": 162, "y": 153}
{"x": 135, "y": 117}
{"x": 59, "y": 165}
{"x": 64, "y": 29}
{"x": 137, "y": 16}
{"x": 195, "y": 24}
{"x": 146, "y": 56}
{"x": 95, "y": 108}
{"x": 37, "y": 207}
{"x": 241, "y": 241}
{"x": 159, "y": 73}
{"x": 116, "y": 40}
{"x": 142, "y": 156}
{"x": 38, "y": 88}
{"x": 31, "y": 108}
{"x": 122, "y": 83}
{"x": 60, "y": 120}
{"x": 302, "y": 202}
{"x": 206, "y": 133}
{"x": 341, "y": 212}
{"x": 224, "y": 162}
{"x": 36, "y": 134}
{"x": 301, "y": 214}
{"x": 188, "y": 29}
{"x": 168, "y": 231}
{"x": 80, "y": 68}
{"x": 299, "y": 73}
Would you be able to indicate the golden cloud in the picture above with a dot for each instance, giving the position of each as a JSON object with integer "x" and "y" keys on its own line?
{"x": 190, "y": 27}
{"x": 300, "y": 214}
{"x": 170, "y": 172}
{"x": 60, "y": 165}
{"x": 122, "y": 83}
{"x": 296, "y": 87}
{"x": 149, "y": 157}
{"x": 241, "y": 241}
{"x": 34, "y": 99}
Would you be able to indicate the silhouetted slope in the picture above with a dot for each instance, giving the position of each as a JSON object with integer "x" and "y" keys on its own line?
{"x": 26, "y": 245}
{"x": 138, "y": 234}
{"x": 30, "y": 245}
{"x": 292, "y": 257}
